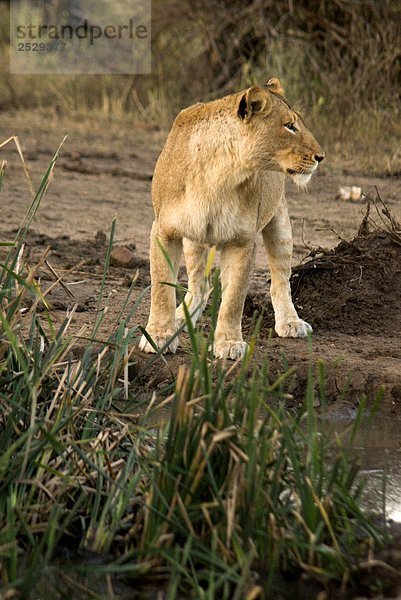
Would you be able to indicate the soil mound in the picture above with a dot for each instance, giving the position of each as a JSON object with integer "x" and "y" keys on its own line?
{"x": 354, "y": 288}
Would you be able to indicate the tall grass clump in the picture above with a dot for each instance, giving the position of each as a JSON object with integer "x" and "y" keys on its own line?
{"x": 244, "y": 493}
{"x": 68, "y": 459}
{"x": 231, "y": 495}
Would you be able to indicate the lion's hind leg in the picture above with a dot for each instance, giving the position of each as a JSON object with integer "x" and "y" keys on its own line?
{"x": 165, "y": 254}
{"x": 198, "y": 285}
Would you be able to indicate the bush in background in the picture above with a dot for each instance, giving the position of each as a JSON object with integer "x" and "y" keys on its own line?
{"x": 342, "y": 58}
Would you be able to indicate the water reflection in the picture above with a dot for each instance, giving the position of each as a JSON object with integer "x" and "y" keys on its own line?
{"x": 378, "y": 443}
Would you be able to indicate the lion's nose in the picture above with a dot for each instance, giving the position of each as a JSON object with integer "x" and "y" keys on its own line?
{"x": 319, "y": 157}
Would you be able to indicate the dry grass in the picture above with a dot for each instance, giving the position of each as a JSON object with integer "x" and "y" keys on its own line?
{"x": 341, "y": 58}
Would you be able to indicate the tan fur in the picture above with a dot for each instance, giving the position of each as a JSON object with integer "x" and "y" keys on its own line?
{"x": 220, "y": 181}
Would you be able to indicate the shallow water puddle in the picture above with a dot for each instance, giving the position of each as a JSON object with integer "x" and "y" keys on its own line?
{"x": 378, "y": 443}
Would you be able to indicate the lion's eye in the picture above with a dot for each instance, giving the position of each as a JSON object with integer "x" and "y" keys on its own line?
{"x": 291, "y": 127}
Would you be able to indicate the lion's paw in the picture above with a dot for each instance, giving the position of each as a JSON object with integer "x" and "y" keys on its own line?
{"x": 159, "y": 340}
{"x": 230, "y": 349}
{"x": 296, "y": 328}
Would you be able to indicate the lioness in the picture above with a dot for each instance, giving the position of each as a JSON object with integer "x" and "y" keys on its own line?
{"x": 219, "y": 181}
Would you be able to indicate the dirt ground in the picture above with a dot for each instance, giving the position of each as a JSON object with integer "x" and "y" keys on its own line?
{"x": 352, "y": 297}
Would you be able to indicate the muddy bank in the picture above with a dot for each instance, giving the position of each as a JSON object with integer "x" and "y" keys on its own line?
{"x": 351, "y": 296}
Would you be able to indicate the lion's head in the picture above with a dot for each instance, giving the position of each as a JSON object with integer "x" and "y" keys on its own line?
{"x": 278, "y": 138}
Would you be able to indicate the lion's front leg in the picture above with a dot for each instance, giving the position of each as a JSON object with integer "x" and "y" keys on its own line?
{"x": 195, "y": 298}
{"x": 236, "y": 266}
{"x": 277, "y": 237}
{"x": 161, "y": 324}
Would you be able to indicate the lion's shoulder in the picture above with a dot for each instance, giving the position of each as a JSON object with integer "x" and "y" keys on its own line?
{"x": 205, "y": 112}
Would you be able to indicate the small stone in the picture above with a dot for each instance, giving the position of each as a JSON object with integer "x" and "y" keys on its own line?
{"x": 353, "y": 193}
{"x": 121, "y": 256}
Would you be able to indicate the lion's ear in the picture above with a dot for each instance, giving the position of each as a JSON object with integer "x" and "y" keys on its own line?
{"x": 274, "y": 85}
{"x": 253, "y": 102}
